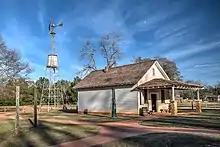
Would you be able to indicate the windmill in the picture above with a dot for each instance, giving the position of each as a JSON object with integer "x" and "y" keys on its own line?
{"x": 51, "y": 91}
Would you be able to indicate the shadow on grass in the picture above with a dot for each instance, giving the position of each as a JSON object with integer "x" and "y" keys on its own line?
{"x": 180, "y": 121}
{"x": 45, "y": 134}
{"x": 97, "y": 119}
{"x": 165, "y": 140}
{"x": 55, "y": 136}
{"x": 153, "y": 139}
{"x": 69, "y": 111}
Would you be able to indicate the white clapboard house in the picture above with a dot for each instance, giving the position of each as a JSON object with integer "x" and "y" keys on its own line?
{"x": 132, "y": 86}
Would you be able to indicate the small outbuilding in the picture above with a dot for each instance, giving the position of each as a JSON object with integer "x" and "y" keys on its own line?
{"x": 128, "y": 88}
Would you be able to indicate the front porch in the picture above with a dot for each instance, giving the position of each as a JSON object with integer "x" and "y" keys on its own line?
{"x": 158, "y": 95}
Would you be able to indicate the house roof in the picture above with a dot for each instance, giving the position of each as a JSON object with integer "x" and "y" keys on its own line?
{"x": 116, "y": 76}
{"x": 163, "y": 83}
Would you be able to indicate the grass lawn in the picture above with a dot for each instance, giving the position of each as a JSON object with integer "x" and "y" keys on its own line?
{"x": 167, "y": 140}
{"x": 208, "y": 119}
{"x": 45, "y": 134}
{"x": 76, "y": 117}
{"x": 48, "y": 133}
{"x": 54, "y": 133}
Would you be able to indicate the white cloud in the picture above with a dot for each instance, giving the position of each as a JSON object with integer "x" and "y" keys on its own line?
{"x": 41, "y": 14}
{"x": 18, "y": 36}
{"x": 207, "y": 65}
{"x": 76, "y": 67}
{"x": 41, "y": 19}
{"x": 192, "y": 49}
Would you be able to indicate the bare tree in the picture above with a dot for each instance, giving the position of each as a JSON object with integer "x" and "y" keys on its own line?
{"x": 108, "y": 48}
{"x": 11, "y": 64}
{"x": 88, "y": 54}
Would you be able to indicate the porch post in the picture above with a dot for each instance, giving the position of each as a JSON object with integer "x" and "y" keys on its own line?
{"x": 113, "y": 104}
{"x": 173, "y": 96}
{"x": 198, "y": 103}
{"x": 198, "y": 94}
{"x": 173, "y": 103}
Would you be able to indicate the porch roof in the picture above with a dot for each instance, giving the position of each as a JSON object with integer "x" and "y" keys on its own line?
{"x": 162, "y": 83}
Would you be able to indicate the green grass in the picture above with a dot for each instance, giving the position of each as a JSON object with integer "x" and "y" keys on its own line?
{"x": 54, "y": 133}
{"x": 75, "y": 117}
{"x": 208, "y": 119}
{"x": 167, "y": 140}
{"x": 46, "y": 134}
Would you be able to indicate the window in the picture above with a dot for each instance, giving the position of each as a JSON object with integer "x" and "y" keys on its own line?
{"x": 153, "y": 71}
{"x": 162, "y": 96}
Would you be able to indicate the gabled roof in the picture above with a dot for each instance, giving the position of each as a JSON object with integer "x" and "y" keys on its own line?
{"x": 163, "y": 83}
{"x": 116, "y": 76}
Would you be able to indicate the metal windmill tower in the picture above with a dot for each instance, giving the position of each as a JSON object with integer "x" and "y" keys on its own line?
{"x": 51, "y": 90}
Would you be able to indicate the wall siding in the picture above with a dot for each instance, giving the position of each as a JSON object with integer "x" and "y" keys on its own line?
{"x": 95, "y": 101}
{"x": 149, "y": 75}
{"x": 159, "y": 105}
{"x": 126, "y": 101}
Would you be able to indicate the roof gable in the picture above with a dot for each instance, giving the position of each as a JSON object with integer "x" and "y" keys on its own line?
{"x": 162, "y": 70}
{"x": 116, "y": 76}
{"x": 158, "y": 73}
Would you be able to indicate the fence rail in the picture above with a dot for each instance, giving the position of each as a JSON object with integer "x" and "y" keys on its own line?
{"x": 192, "y": 105}
{"x": 27, "y": 109}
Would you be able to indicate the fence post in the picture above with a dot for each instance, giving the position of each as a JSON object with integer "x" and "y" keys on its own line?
{"x": 192, "y": 104}
{"x": 17, "y": 110}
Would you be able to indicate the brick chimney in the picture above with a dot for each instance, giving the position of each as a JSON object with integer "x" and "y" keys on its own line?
{"x": 106, "y": 69}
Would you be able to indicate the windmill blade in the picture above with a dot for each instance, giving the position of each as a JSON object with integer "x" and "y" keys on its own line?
{"x": 60, "y": 24}
{"x": 49, "y": 26}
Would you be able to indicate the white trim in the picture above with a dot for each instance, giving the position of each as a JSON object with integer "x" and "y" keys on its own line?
{"x": 138, "y": 102}
{"x": 136, "y": 85}
{"x": 78, "y": 99}
{"x": 173, "y": 94}
{"x": 157, "y": 64}
{"x": 198, "y": 95}
{"x": 161, "y": 70}
{"x": 157, "y": 97}
{"x": 157, "y": 93}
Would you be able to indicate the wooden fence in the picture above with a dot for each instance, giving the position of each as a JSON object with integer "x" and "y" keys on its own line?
{"x": 190, "y": 104}
{"x": 28, "y": 109}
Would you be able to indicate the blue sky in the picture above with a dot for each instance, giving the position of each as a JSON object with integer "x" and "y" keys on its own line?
{"x": 186, "y": 31}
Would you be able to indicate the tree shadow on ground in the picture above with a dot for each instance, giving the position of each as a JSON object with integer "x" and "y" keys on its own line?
{"x": 165, "y": 140}
{"x": 154, "y": 139}
{"x": 43, "y": 129}
{"x": 185, "y": 121}
{"x": 102, "y": 120}
{"x": 69, "y": 111}
{"x": 43, "y": 132}
{"x": 19, "y": 140}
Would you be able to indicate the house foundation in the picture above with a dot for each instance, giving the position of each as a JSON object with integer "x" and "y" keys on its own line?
{"x": 173, "y": 108}
{"x": 198, "y": 106}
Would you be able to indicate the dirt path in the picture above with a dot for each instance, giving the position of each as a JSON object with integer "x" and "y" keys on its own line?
{"x": 119, "y": 130}
{"x": 6, "y": 115}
